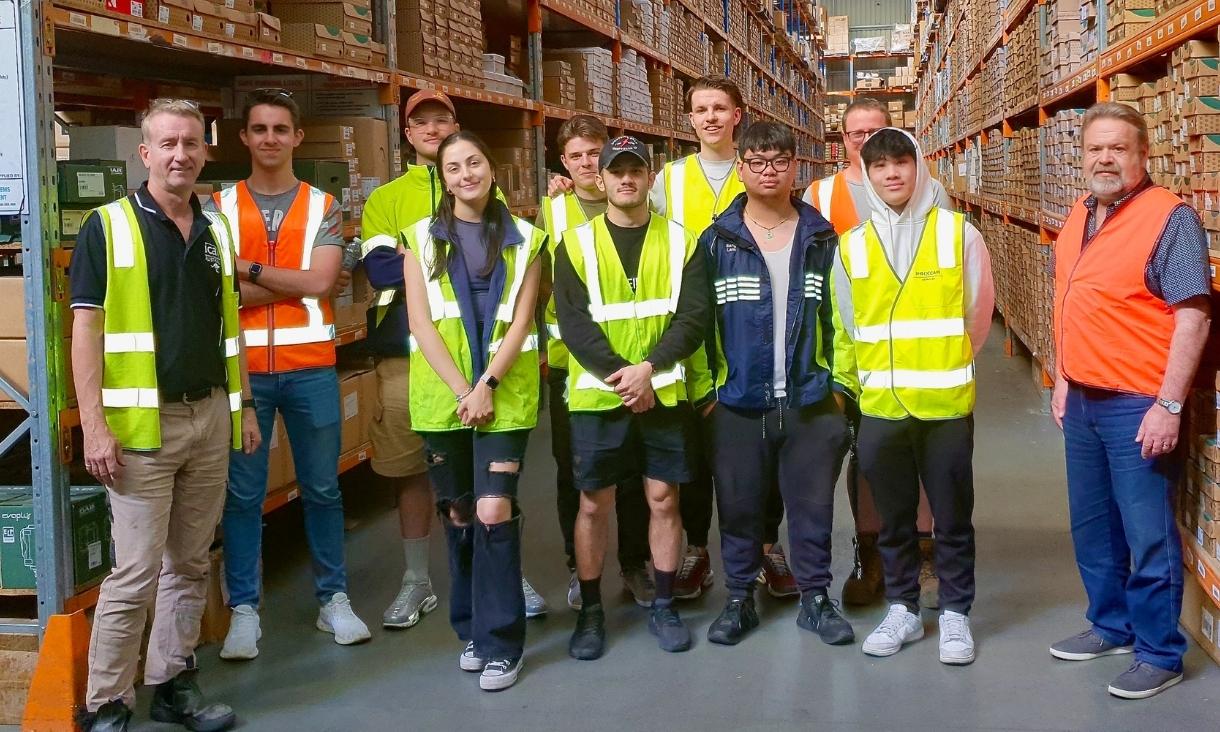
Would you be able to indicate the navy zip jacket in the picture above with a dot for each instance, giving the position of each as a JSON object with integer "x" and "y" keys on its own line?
{"x": 742, "y": 366}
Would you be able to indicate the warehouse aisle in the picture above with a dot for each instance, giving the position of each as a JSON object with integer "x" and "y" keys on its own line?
{"x": 780, "y": 678}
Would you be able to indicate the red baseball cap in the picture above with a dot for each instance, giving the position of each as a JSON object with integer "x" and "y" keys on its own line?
{"x": 427, "y": 95}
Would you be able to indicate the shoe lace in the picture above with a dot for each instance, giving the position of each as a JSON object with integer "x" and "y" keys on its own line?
{"x": 953, "y": 628}
{"x": 779, "y": 564}
{"x": 405, "y": 594}
{"x": 668, "y": 617}
{"x": 498, "y": 666}
{"x": 688, "y": 566}
{"x": 892, "y": 625}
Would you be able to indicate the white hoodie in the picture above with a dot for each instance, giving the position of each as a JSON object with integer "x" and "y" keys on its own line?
{"x": 900, "y": 234}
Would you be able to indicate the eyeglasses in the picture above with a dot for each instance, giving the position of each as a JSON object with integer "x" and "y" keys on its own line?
{"x": 758, "y": 165}
{"x": 170, "y": 102}
{"x": 273, "y": 92}
{"x": 417, "y": 123}
{"x": 859, "y": 136}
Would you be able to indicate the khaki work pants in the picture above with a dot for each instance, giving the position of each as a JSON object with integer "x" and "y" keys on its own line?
{"x": 164, "y": 509}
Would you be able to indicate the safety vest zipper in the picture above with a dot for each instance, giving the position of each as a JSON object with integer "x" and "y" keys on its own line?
{"x": 271, "y": 314}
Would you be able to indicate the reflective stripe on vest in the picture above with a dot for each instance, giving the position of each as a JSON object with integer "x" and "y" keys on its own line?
{"x": 319, "y": 324}
{"x": 129, "y": 392}
{"x": 561, "y": 213}
{"x": 912, "y": 351}
{"x": 826, "y": 188}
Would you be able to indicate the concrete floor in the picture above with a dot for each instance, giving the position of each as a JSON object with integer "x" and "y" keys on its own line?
{"x": 780, "y": 678}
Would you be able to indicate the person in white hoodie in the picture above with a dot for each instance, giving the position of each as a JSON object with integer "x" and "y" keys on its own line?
{"x": 913, "y": 298}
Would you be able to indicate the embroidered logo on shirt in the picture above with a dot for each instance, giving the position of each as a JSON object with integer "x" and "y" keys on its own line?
{"x": 212, "y": 256}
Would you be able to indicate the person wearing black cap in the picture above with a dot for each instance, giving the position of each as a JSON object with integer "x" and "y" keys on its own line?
{"x": 632, "y": 301}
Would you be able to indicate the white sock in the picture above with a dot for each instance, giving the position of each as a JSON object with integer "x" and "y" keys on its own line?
{"x": 416, "y": 553}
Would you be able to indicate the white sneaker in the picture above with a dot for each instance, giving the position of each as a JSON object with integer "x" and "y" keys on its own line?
{"x": 956, "y": 641}
{"x": 469, "y": 660}
{"x": 500, "y": 674}
{"x": 241, "y": 643}
{"x": 337, "y": 617}
{"x": 901, "y": 626}
{"x": 574, "y": 599}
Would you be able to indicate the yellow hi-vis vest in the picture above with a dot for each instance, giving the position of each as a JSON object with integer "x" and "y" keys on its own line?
{"x": 913, "y": 354}
{"x": 632, "y": 321}
{"x": 130, "y": 395}
{"x": 689, "y": 198}
{"x": 558, "y": 215}
{"x": 433, "y": 407}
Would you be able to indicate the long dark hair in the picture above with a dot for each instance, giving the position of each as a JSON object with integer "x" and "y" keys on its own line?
{"x": 493, "y": 214}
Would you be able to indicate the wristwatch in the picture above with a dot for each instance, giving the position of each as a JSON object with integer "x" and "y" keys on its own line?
{"x": 256, "y": 269}
{"x": 1170, "y": 406}
{"x": 247, "y": 404}
{"x": 491, "y": 381}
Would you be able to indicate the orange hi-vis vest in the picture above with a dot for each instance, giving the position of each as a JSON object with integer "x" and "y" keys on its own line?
{"x": 1110, "y": 331}
{"x": 831, "y": 197}
{"x": 289, "y": 334}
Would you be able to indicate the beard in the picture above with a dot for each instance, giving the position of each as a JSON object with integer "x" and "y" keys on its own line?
{"x": 1106, "y": 187}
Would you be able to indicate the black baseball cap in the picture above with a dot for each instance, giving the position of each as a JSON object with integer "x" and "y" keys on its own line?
{"x": 621, "y": 145}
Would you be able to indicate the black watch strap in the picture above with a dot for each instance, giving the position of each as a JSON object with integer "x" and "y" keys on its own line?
{"x": 491, "y": 381}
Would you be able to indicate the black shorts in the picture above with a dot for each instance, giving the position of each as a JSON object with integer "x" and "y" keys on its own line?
{"x": 616, "y": 446}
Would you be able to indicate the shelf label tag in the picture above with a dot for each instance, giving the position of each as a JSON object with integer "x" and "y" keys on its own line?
{"x": 180, "y": 40}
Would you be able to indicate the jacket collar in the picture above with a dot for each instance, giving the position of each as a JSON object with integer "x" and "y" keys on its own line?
{"x": 512, "y": 235}
{"x": 731, "y": 223}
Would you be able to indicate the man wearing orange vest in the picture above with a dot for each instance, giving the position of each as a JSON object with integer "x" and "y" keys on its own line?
{"x": 1132, "y": 314}
{"x": 843, "y": 200}
{"x": 289, "y": 249}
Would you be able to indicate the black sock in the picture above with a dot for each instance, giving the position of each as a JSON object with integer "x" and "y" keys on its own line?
{"x": 665, "y": 588}
{"x": 591, "y": 592}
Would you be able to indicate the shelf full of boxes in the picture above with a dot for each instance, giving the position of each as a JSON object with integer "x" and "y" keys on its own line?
{"x": 1016, "y": 167}
{"x": 872, "y": 61}
{"x": 348, "y": 64}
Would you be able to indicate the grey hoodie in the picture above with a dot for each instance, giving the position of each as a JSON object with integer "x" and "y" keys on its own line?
{"x": 900, "y": 234}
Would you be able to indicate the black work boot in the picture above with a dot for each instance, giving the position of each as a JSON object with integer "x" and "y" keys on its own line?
{"x": 588, "y": 641}
{"x": 112, "y": 716}
{"x": 179, "y": 701}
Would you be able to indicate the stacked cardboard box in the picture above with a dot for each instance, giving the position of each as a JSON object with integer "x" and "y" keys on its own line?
{"x": 667, "y": 98}
{"x": 441, "y": 38}
{"x": 1126, "y": 18}
{"x": 1020, "y": 265}
{"x": 510, "y": 136}
{"x": 689, "y": 43}
{"x": 1061, "y": 141}
{"x": 992, "y": 183}
{"x": 1022, "y": 171}
{"x": 640, "y": 20}
{"x": 593, "y": 70}
{"x": 1063, "y": 49}
{"x": 1021, "y": 86}
{"x": 558, "y": 84}
{"x": 995, "y": 68}
{"x": 901, "y": 38}
{"x": 496, "y": 78}
{"x": 634, "y": 98}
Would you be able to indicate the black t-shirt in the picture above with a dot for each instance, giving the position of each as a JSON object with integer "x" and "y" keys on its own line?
{"x": 184, "y": 283}
{"x": 629, "y": 243}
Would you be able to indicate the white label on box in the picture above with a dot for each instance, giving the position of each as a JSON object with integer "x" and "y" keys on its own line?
{"x": 1208, "y": 625}
{"x": 351, "y": 405}
{"x": 91, "y": 184}
{"x": 95, "y": 554}
{"x": 10, "y": 535}
{"x": 163, "y": 14}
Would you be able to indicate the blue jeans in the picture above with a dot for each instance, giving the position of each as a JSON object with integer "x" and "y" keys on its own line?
{"x": 309, "y": 403}
{"x": 1123, "y": 526}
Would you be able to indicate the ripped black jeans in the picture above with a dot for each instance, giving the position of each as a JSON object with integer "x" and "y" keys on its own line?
{"x": 486, "y": 604}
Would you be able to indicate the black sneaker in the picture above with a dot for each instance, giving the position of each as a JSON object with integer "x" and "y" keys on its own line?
{"x": 738, "y": 617}
{"x": 1086, "y": 646}
{"x": 588, "y": 641}
{"x": 1143, "y": 680}
{"x": 672, "y": 635}
{"x": 820, "y": 615}
{"x": 501, "y": 673}
{"x": 112, "y": 716}
{"x": 179, "y": 701}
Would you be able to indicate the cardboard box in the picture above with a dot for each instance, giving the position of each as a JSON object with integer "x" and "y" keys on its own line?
{"x": 356, "y": 48}
{"x": 238, "y": 25}
{"x": 205, "y": 18}
{"x": 343, "y": 15}
{"x": 372, "y": 143}
{"x": 369, "y": 401}
{"x": 326, "y": 131}
{"x": 175, "y": 12}
{"x": 313, "y": 38}
{"x": 837, "y": 34}
{"x": 325, "y": 150}
{"x": 70, "y": 220}
{"x": 349, "y": 410}
{"x": 1200, "y": 618}
{"x": 146, "y": 9}
{"x": 269, "y": 28}
{"x": 92, "y": 182}
{"x": 90, "y": 521}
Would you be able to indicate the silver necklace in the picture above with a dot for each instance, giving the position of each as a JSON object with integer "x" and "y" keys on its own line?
{"x": 770, "y": 230}
{"x": 727, "y": 173}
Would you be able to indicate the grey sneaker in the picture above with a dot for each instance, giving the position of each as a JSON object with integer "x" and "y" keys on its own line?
{"x": 1086, "y": 646}
{"x": 574, "y": 599}
{"x": 1143, "y": 680}
{"x": 414, "y": 601}
{"x": 535, "y": 605}
{"x": 638, "y": 583}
